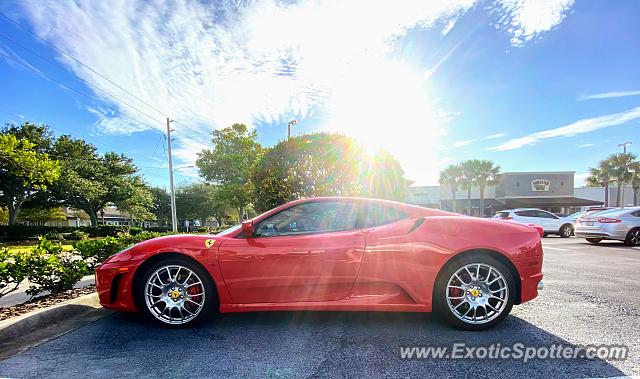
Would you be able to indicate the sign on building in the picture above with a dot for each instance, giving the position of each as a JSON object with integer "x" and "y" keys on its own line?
{"x": 540, "y": 185}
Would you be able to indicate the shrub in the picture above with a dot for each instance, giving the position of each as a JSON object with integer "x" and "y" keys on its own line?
{"x": 96, "y": 251}
{"x": 51, "y": 269}
{"x": 135, "y": 230}
{"x": 77, "y": 235}
{"x": 12, "y": 271}
{"x": 54, "y": 236}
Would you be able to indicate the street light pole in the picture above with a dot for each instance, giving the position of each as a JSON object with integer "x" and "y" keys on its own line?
{"x": 291, "y": 123}
{"x": 174, "y": 220}
{"x": 624, "y": 149}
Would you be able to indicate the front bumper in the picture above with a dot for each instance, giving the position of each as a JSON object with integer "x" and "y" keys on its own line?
{"x": 530, "y": 287}
{"x": 114, "y": 284}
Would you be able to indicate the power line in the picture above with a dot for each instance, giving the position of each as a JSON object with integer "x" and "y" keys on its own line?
{"x": 94, "y": 71}
{"x": 77, "y": 61}
{"x": 78, "y": 77}
{"x": 74, "y": 90}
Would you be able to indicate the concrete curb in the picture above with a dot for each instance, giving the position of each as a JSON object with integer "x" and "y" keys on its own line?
{"x": 29, "y": 322}
{"x": 31, "y": 329}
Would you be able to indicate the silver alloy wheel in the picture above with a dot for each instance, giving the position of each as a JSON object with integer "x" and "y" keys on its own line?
{"x": 174, "y": 294}
{"x": 634, "y": 237}
{"x": 566, "y": 231}
{"x": 477, "y": 293}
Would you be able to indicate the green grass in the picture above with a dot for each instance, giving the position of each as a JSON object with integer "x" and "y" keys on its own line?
{"x": 26, "y": 246}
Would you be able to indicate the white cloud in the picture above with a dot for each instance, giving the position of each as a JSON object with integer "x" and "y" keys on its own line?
{"x": 608, "y": 95}
{"x": 209, "y": 66}
{"x": 586, "y": 144}
{"x": 526, "y": 19}
{"x": 578, "y": 127}
{"x": 470, "y": 141}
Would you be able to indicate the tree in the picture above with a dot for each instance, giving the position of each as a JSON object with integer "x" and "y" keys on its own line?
{"x": 486, "y": 174}
{"x": 451, "y": 177}
{"x": 620, "y": 166}
{"x": 161, "y": 205}
{"x": 229, "y": 163}
{"x": 195, "y": 201}
{"x": 90, "y": 181}
{"x": 600, "y": 177}
{"x": 635, "y": 181}
{"x": 468, "y": 180}
{"x": 23, "y": 172}
{"x": 139, "y": 204}
{"x": 40, "y": 215}
{"x": 324, "y": 164}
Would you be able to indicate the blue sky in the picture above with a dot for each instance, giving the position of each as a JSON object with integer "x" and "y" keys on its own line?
{"x": 532, "y": 84}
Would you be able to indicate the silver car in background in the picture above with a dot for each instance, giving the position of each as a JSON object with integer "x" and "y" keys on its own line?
{"x": 613, "y": 224}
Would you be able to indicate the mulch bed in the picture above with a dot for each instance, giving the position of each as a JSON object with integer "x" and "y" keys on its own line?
{"x": 44, "y": 302}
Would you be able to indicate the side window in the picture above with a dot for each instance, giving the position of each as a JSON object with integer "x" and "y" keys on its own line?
{"x": 526, "y": 213}
{"x": 309, "y": 218}
{"x": 374, "y": 214}
{"x": 544, "y": 214}
{"x": 636, "y": 213}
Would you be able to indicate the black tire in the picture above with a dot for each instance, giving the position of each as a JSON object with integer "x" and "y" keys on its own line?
{"x": 210, "y": 298}
{"x": 566, "y": 231}
{"x": 440, "y": 291}
{"x": 594, "y": 241}
{"x": 633, "y": 237}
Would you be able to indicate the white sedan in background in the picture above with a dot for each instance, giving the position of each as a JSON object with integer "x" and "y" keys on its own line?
{"x": 550, "y": 223}
{"x": 614, "y": 224}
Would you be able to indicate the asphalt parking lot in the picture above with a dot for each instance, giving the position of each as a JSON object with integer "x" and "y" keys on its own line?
{"x": 591, "y": 296}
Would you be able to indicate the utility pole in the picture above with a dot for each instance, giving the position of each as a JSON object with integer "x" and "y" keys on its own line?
{"x": 174, "y": 220}
{"x": 624, "y": 149}
{"x": 291, "y": 123}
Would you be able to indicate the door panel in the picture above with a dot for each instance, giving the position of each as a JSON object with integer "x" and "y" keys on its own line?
{"x": 317, "y": 267}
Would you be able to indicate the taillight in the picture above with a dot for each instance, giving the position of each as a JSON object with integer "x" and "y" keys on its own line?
{"x": 607, "y": 220}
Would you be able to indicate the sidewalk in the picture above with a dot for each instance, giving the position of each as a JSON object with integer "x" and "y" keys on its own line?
{"x": 20, "y": 296}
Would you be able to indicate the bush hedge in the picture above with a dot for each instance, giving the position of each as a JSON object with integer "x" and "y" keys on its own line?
{"x": 24, "y": 232}
{"x": 12, "y": 271}
{"x": 50, "y": 269}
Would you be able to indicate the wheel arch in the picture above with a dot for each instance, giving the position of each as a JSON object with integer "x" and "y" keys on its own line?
{"x": 494, "y": 254}
{"x": 137, "y": 276}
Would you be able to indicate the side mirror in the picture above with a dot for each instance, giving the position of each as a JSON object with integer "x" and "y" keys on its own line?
{"x": 247, "y": 228}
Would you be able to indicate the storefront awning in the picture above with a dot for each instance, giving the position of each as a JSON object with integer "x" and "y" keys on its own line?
{"x": 475, "y": 203}
{"x": 538, "y": 202}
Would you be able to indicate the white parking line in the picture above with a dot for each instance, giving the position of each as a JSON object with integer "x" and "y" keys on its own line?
{"x": 555, "y": 248}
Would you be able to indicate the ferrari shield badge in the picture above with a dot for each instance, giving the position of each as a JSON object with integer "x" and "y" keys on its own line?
{"x": 209, "y": 243}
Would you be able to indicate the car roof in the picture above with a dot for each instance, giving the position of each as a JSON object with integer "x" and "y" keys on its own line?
{"x": 522, "y": 209}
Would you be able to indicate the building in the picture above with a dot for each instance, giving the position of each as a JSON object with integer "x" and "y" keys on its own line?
{"x": 552, "y": 191}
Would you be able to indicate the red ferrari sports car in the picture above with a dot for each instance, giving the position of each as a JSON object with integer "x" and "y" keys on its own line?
{"x": 347, "y": 254}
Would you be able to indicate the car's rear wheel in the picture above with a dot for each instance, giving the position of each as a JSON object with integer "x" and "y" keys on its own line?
{"x": 176, "y": 292}
{"x": 474, "y": 292}
{"x": 633, "y": 237}
{"x": 566, "y": 231}
{"x": 594, "y": 240}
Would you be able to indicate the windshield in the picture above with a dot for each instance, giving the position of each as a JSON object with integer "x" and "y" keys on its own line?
{"x": 229, "y": 230}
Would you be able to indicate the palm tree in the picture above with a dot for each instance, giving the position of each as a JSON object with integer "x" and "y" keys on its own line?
{"x": 635, "y": 182}
{"x": 467, "y": 180}
{"x": 487, "y": 173}
{"x": 451, "y": 177}
{"x": 620, "y": 166}
{"x": 600, "y": 177}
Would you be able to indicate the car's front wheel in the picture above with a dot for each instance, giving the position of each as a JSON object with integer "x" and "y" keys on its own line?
{"x": 474, "y": 292}
{"x": 176, "y": 292}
